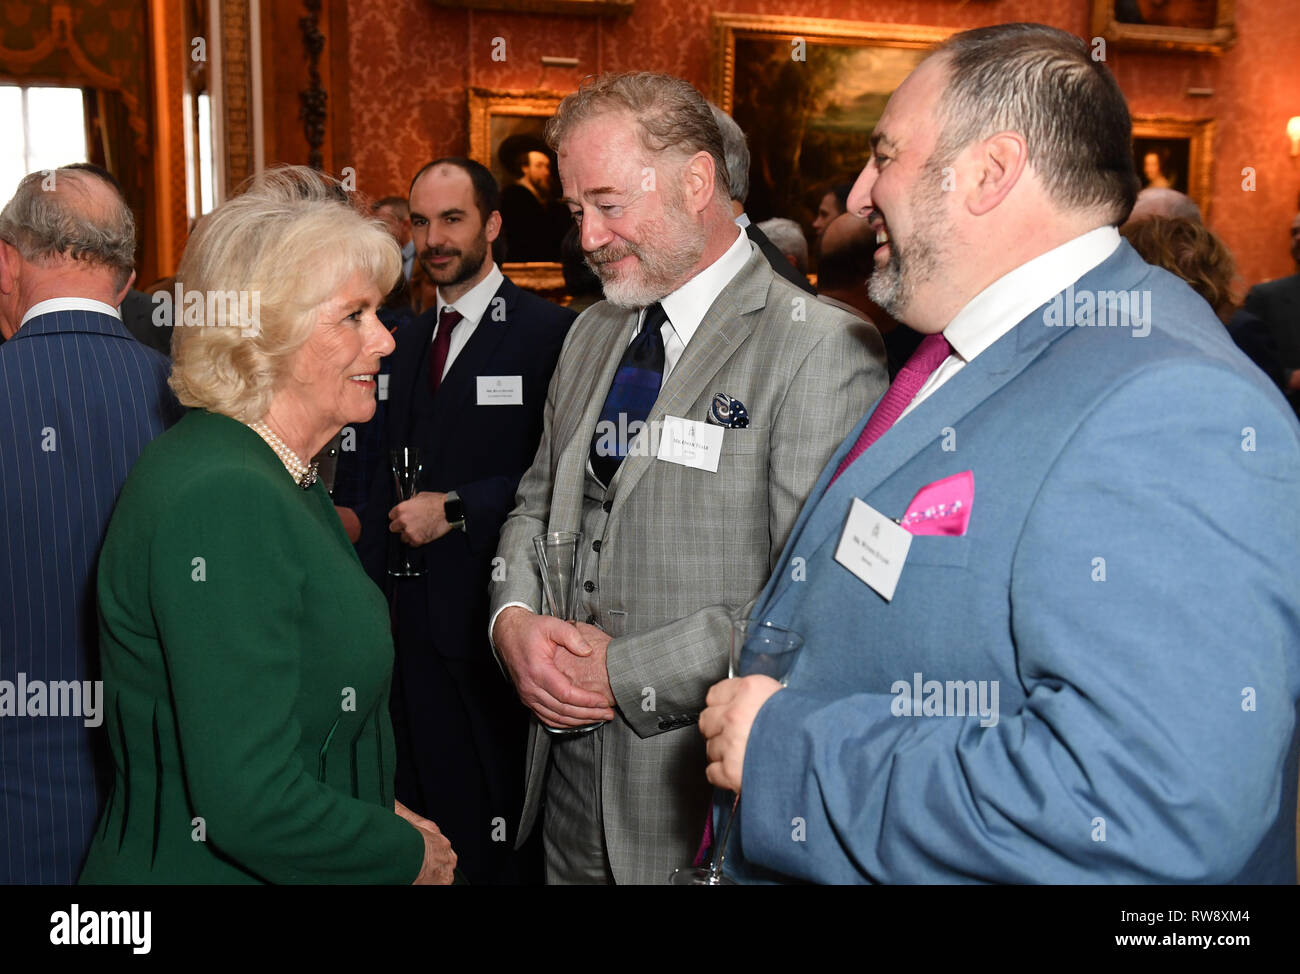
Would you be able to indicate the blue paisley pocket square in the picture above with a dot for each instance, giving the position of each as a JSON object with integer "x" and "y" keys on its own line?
{"x": 728, "y": 412}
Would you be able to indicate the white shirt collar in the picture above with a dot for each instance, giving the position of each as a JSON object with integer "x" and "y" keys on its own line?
{"x": 1004, "y": 303}
{"x": 51, "y": 305}
{"x": 687, "y": 306}
{"x": 743, "y": 220}
{"x": 474, "y": 302}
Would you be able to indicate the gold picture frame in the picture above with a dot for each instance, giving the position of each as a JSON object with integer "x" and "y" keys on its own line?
{"x": 808, "y": 93}
{"x": 491, "y": 111}
{"x": 726, "y": 28}
{"x": 1191, "y": 141}
{"x": 578, "y": 8}
{"x": 1213, "y": 38}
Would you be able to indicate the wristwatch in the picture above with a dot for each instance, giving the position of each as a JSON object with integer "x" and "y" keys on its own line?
{"x": 454, "y": 510}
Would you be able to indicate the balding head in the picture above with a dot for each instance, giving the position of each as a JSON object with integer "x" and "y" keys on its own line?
{"x": 1168, "y": 203}
{"x": 66, "y": 233}
{"x": 848, "y": 244}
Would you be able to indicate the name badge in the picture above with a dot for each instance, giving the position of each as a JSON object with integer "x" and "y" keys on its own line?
{"x": 382, "y": 386}
{"x": 500, "y": 390}
{"x": 873, "y": 548}
{"x": 691, "y": 443}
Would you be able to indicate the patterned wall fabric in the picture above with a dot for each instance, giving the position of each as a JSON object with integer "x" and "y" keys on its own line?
{"x": 412, "y": 62}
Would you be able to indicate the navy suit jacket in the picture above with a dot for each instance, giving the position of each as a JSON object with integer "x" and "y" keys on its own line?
{"x": 480, "y": 451}
{"x": 79, "y": 399}
{"x": 1277, "y": 304}
{"x": 1127, "y": 582}
{"x": 777, "y": 259}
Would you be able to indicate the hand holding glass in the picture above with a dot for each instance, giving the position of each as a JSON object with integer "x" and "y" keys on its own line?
{"x": 559, "y": 554}
{"x": 406, "y": 464}
{"x": 757, "y": 649}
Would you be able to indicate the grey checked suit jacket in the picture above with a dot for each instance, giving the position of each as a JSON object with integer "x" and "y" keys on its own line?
{"x": 684, "y": 548}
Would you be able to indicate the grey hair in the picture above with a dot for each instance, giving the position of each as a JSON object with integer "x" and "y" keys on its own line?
{"x": 1160, "y": 201}
{"x": 670, "y": 115}
{"x": 736, "y": 151}
{"x": 789, "y": 239}
{"x": 46, "y": 223}
{"x": 1041, "y": 82}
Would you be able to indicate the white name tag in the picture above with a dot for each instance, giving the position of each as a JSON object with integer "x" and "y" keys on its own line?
{"x": 500, "y": 390}
{"x": 691, "y": 443}
{"x": 874, "y": 548}
{"x": 383, "y": 387}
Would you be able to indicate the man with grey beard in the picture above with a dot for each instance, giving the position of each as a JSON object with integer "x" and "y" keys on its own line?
{"x": 700, "y": 342}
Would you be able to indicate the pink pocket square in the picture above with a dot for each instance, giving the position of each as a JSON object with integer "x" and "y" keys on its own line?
{"x": 942, "y": 507}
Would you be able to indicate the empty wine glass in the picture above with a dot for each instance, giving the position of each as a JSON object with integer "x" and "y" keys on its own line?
{"x": 757, "y": 648}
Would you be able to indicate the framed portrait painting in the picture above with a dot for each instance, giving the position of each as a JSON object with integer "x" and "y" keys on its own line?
{"x": 808, "y": 94}
{"x": 1176, "y": 153}
{"x": 505, "y": 135}
{"x": 1182, "y": 25}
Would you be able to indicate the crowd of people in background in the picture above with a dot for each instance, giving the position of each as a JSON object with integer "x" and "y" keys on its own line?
{"x": 310, "y": 676}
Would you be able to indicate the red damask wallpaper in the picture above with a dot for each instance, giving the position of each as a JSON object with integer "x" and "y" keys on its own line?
{"x": 412, "y": 61}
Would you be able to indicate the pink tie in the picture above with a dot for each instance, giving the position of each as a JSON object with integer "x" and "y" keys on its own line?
{"x": 928, "y": 356}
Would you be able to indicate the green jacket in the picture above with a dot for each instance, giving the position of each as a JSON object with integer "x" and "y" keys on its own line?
{"x": 246, "y": 663}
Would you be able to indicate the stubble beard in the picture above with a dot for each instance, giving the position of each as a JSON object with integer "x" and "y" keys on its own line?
{"x": 669, "y": 248}
{"x": 894, "y": 286}
{"x": 464, "y": 265}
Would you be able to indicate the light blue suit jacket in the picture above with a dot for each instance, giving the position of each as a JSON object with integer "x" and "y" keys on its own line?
{"x": 1129, "y": 579}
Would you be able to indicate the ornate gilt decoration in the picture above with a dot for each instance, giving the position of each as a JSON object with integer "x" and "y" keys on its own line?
{"x": 236, "y": 83}
{"x": 727, "y": 27}
{"x": 312, "y": 99}
{"x": 169, "y": 52}
{"x": 1199, "y": 133}
{"x": 1213, "y": 40}
{"x": 486, "y": 102}
{"x": 60, "y": 38}
{"x": 583, "y": 8}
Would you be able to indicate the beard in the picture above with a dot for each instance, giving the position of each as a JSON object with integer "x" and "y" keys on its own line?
{"x": 893, "y": 286}
{"x": 669, "y": 248}
{"x": 464, "y": 264}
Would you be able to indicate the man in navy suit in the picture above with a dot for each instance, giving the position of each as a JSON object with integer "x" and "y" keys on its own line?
{"x": 468, "y": 384}
{"x": 736, "y": 149}
{"x": 1077, "y": 657}
{"x": 1277, "y": 305}
{"x": 79, "y": 399}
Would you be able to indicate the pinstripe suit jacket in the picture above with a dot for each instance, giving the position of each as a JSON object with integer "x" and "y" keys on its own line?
{"x": 683, "y": 548}
{"x": 79, "y": 399}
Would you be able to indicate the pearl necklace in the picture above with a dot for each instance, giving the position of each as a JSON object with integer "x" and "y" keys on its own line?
{"x": 304, "y": 474}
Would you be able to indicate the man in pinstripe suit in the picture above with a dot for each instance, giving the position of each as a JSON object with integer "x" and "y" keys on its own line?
{"x": 79, "y": 399}
{"x": 693, "y": 310}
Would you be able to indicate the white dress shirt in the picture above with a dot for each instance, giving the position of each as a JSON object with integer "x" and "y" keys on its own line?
{"x": 50, "y": 305}
{"x": 472, "y": 305}
{"x": 1004, "y": 303}
{"x": 686, "y": 308}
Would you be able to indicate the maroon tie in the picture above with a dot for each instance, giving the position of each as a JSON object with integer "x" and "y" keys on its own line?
{"x": 928, "y": 356}
{"x": 448, "y": 319}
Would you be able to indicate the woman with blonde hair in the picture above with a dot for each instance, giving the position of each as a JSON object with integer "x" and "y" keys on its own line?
{"x": 246, "y": 655}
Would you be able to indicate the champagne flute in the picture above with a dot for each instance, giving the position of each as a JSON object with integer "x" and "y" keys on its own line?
{"x": 559, "y": 554}
{"x": 406, "y": 465}
{"x": 757, "y": 648}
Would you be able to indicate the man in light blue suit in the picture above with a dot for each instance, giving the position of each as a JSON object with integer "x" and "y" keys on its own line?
{"x": 1087, "y": 670}
{"x": 79, "y": 399}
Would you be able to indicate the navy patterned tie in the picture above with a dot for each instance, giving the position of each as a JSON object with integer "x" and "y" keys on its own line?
{"x": 631, "y": 395}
